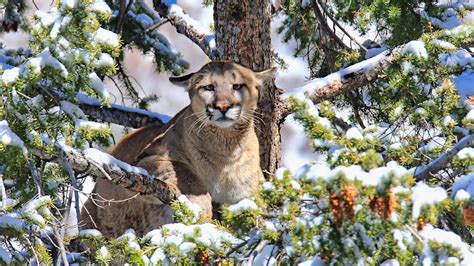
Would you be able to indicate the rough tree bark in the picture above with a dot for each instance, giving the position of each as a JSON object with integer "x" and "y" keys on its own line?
{"x": 242, "y": 29}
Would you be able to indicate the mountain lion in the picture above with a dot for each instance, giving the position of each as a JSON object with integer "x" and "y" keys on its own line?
{"x": 209, "y": 152}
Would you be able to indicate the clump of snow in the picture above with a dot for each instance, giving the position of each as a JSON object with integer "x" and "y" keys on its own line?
{"x": 268, "y": 186}
{"x": 105, "y": 60}
{"x": 68, "y": 4}
{"x": 435, "y": 143}
{"x": 46, "y": 59}
{"x": 193, "y": 207}
{"x": 90, "y": 124}
{"x": 424, "y": 195}
{"x": 448, "y": 120}
{"x": 280, "y": 173}
{"x": 101, "y": 7}
{"x": 316, "y": 261}
{"x": 186, "y": 247}
{"x": 429, "y": 233}
{"x": 243, "y": 205}
{"x": 90, "y": 233}
{"x": 206, "y": 234}
{"x": 269, "y": 226}
{"x": 403, "y": 238}
{"x": 72, "y": 110}
{"x": 466, "y": 153}
{"x": 354, "y": 133}
{"x": 8, "y": 137}
{"x": 47, "y": 19}
{"x": 96, "y": 84}
{"x": 416, "y": 48}
{"x": 104, "y": 252}
{"x": 443, "y": 44}
{"x": 106, "y": 37}
{"x": 11, "y": 75}
{"x": 390, "y": 262}
{"x": 463, "y": 187}
{"x": 103, "y": 158}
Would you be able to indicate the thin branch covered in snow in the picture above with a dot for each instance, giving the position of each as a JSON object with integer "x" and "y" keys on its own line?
{"x": 187, "y": 26}
{"x": 440, "y": 162}
{"x": 346, "y": 79}
{"x": 118, "y": 114}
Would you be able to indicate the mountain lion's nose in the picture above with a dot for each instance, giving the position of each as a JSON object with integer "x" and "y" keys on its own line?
{"x": 222, "y": 106}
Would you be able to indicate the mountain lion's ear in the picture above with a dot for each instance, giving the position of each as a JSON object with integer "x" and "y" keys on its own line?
{"x": 265, "y": 75}
{"x": 182, "y": 81}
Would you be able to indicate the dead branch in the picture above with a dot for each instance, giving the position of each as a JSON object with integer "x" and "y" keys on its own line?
{"x": 439, "y": 163}
{"x": 136, "y": 182}
{"x": 187, "y": 26}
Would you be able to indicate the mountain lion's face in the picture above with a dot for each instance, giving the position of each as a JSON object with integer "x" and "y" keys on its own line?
{"x": 223, "y": 93}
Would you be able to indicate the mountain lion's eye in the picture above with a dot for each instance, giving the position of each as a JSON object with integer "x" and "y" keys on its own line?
{"x": 238, "y": 86}
{"x": 209, "y": 87}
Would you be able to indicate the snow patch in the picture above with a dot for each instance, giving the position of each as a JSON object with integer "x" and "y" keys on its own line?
{"x": 424, "y": 195}
{"x": 416, "y": 48}
{"x": 106, "y": 37}
{"x": 243, "y": 205}
{"x": 8, "y": 137}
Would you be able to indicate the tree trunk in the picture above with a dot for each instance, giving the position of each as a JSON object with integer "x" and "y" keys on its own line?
{"x": 242, "y": 29}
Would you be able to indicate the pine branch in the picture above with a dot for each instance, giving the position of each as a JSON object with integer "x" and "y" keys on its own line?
{"x": 117, "y": 114}
{"x": 435, "y": 166}
{"x": 187, "y": 26}
{"x": 141, "y": 183}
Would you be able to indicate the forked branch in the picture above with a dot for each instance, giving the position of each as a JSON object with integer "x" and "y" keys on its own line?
{"x": 187, "y": 26}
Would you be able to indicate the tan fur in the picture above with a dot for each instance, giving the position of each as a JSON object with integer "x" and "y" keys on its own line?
{"x": 207, "y": 158}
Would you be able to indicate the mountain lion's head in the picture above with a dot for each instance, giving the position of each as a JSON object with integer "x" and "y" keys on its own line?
{"x": 223, "y": 93}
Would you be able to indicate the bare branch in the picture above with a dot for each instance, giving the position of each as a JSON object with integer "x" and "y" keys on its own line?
{"x": 118, "y": 114}
{"x": 353, "y": 39}
{"x": 136, "y": 182}
{"x": 324, "y": 24}
{"x": 187, "y": 26}
{"x": 435, "y": 166}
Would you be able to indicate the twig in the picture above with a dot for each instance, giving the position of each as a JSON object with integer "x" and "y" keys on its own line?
{"x": 257, "y": 250}
{"x": 440, "y": 162}
{"x": 185, "y": 26}
{"x": 36, "y": 178}
{"x": 70, "y": 172}
{"x": 335, "y": 22}
{"x": 3, "y": 192}
{"x": 325, "y": 26}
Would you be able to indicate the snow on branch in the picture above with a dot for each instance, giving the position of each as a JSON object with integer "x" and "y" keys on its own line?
{"x": 187, "y": 26}
{"x": 346, "y": 79}
{"x": 100, "y": 164}
{"x": 118, "y": 114}
{"x": 441, "y": 162}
